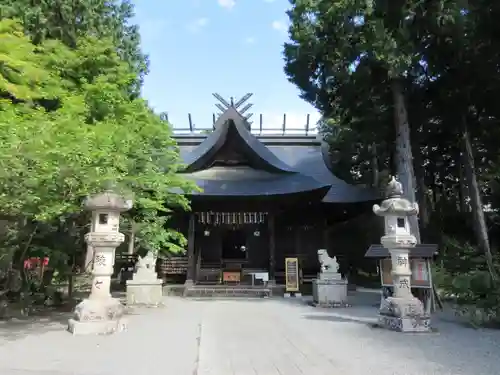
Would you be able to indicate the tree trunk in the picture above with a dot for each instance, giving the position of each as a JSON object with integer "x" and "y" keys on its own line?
{"x": 422, "y": 190}
{"x": 463, "y": 191}
{"x": 374, "y": 165}
{"x": 480, "y": 228}
{"x": 404, "y": 157}
{"x": 89, "y": 259}
{"x": 131, "y": 241}
{"x": 89, "y": 256}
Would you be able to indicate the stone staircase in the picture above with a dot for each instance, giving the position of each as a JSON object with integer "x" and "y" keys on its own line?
{"x": 224, "y": 291}
{"x": 227, "y": 291}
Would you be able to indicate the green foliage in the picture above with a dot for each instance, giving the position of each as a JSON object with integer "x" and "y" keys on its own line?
{"x": 462, "y": 277}
{"x": 68, "y": 127}
{"x": 343, "y": 56}
{"x": 68, "y": 21}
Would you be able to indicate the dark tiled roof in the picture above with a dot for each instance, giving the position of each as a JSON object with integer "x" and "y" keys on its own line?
{"x": 245, "y": 181}
{"x": 215, "y": 140}
{"x": 310, "y": 160}
{"x": 419, "y": 251}
{"x": 293, "y": 164}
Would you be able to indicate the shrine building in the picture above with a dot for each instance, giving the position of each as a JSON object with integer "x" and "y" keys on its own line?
{"x": 263, "y": 198}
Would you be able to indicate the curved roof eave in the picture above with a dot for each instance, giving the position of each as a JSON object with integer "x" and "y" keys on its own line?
{"x": 195, "y": 160}
{"x": 313, "y": 161}
{"x": 351, "y": 194}
{"x": 218, "y": 183}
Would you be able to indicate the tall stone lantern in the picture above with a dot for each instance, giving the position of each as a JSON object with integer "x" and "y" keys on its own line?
{"x": 402, "y": 311}
{"x": 100, "y": 313}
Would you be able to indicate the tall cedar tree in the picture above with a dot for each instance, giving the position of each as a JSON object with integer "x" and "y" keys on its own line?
{"x": 355, "y": 59}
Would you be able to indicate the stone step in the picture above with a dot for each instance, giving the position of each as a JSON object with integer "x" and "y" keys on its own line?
{"x": 207, "y": 291}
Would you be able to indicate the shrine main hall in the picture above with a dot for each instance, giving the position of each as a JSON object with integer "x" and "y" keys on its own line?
{"x": 263, "y": 198}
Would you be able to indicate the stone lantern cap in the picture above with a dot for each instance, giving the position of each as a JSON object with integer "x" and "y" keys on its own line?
{"x": 395, "y": 204}
{"x": 108, "y": 201}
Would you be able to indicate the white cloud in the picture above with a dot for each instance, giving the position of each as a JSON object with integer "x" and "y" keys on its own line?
{"x": 228, "y": 4}
{"x": 250, "y": 40}
{"x": 279, "y": 26}
{"x": 197, "y": 24}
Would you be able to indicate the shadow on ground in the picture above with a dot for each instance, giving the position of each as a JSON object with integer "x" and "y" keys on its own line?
{"x": 44, "y": 319}
{"x": 38, "y": 323}
{"x": 364, "y": 310}
{"x": 340, "y": 318}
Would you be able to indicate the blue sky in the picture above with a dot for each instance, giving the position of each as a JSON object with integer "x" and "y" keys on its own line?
{"x": 197, "y": 47}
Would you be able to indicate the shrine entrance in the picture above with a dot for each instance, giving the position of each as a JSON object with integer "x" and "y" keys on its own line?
{"x": 231, "y": 247}
{"x": 234, "y": 244}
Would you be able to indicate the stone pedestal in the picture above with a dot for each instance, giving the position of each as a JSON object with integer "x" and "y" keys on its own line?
{"x": 144, "y": 292}
{"x": 330, "y": 291}
{"x": 145, "y": 288}
{"x": 100, "y": 313}
{"x": 402, "y": 312}
{"x": 98, "y": 316}
{"x": 404, "y": 315}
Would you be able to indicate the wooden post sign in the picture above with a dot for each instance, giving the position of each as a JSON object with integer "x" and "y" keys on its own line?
{"x": 292, "y": 274}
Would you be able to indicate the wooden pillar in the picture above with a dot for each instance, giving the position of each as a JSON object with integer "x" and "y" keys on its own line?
{"x": 296, "y": 239}
{"x": 326, "y": 236}
{"x": 131, "y": 242}
{"x": 197, "y": 263}
{"x": 272, "y": 249}
{"x": 190, "y": 250}
{"x": 131, "y": 238}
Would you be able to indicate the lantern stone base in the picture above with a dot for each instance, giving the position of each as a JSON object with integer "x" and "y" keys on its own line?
{"x": 144, "y": 292}
{"x": 98, "y": 316}
{"x": 408, "y": 324}
{"x": 330, "y": 292}
{"x": 404, "y": 315}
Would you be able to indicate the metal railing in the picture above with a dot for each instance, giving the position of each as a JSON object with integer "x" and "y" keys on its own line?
{"x": 307, "y": 129}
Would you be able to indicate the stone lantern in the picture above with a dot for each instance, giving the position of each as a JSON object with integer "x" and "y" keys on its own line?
{"x": 100, "y": 313}
{"x": 401, "y": 311}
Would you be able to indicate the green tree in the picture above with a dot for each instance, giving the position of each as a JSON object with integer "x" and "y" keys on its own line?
{"x": 329, "y": 38}
{"x": 432, "y": 66}
{"x": 70, "y": 20}
{"x": 63, "y": 137}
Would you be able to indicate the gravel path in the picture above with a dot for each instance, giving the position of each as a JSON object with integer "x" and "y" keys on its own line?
{"x": 258, "y": 337}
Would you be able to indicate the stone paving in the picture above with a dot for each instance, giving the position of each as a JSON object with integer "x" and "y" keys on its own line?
{"x": 257, "y": 337}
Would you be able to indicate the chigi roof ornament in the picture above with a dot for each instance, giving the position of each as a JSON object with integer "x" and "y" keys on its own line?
{"x": 224, "y": 105}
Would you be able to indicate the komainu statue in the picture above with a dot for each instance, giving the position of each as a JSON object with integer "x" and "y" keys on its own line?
{"x": 328, "y": 265}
